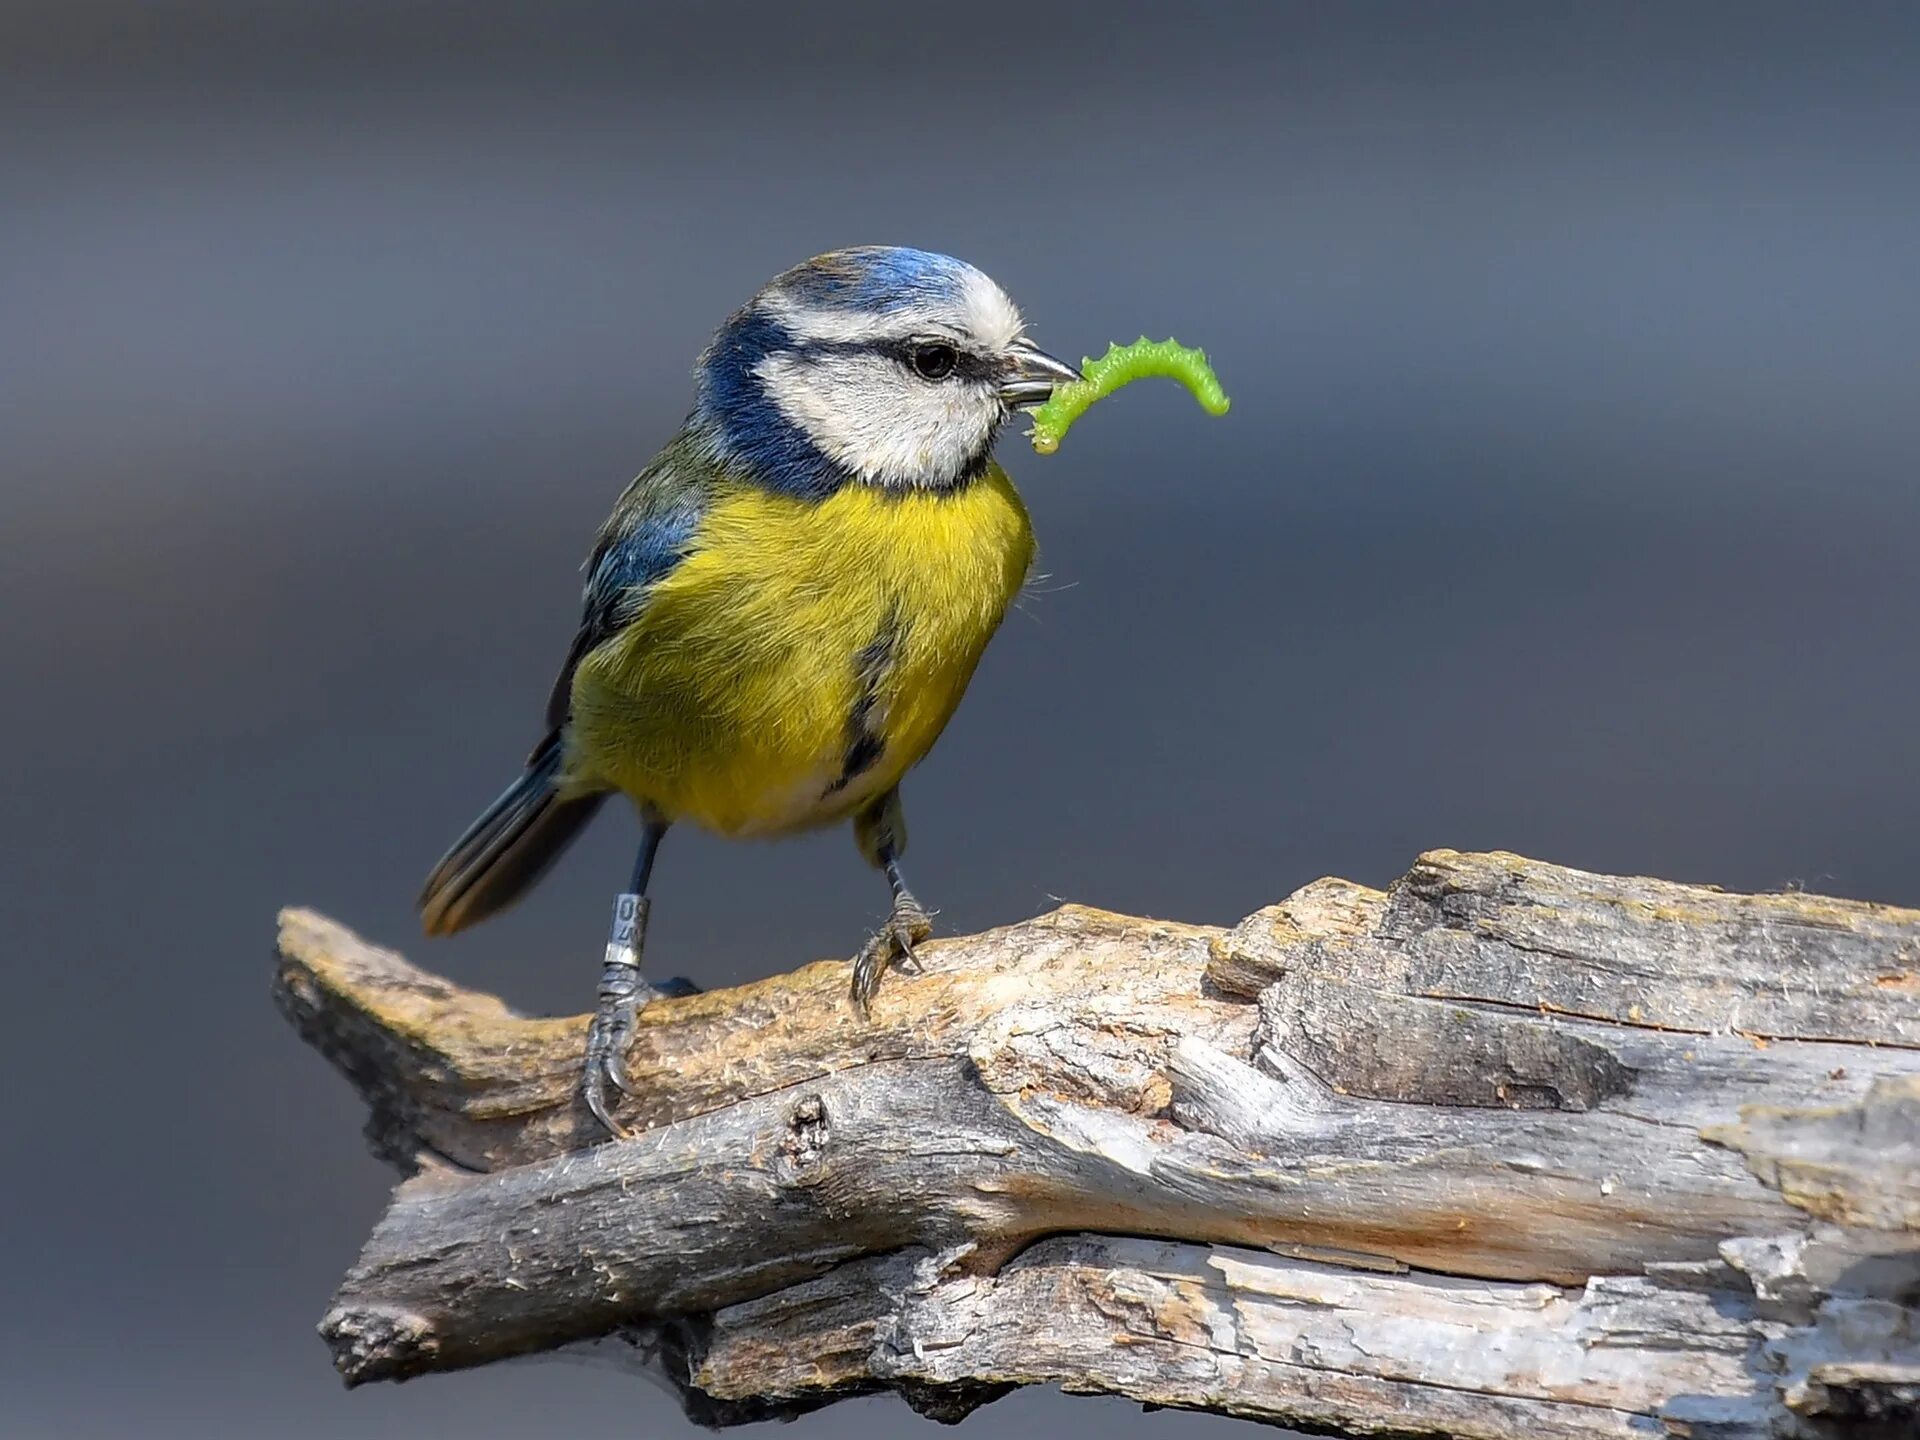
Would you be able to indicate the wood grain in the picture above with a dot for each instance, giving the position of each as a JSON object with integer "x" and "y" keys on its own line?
{"x": 1505, "y": 1149}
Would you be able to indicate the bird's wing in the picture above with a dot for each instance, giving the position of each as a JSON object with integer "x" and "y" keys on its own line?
{"x": 646, "y": 536}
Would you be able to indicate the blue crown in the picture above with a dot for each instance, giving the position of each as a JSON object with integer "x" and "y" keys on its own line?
{"x": 878, "y": 278}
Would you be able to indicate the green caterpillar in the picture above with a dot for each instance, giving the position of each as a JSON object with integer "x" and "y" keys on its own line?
{"x": 1122, "y": 365}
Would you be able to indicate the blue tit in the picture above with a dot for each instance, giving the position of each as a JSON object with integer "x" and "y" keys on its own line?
{"x": 784, "y": 609}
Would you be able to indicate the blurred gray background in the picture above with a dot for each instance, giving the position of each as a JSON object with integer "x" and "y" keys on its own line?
{"x": 1567, "y": 504}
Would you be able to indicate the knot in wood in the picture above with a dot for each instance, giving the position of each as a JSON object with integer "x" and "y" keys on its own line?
{"x": 803, "y": 1152}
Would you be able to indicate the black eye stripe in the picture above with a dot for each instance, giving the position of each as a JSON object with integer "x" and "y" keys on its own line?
{"x": 967, "y": 364}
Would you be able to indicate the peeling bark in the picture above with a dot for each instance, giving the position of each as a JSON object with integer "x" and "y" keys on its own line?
{"x": 1506, "y": 1149}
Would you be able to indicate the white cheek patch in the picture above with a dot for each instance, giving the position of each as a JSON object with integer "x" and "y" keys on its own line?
{"x": 866, "y": 413}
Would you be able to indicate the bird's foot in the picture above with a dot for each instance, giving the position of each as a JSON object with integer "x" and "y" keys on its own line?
{"x": 906, "y": 927}
{"x": 623, "y": 991}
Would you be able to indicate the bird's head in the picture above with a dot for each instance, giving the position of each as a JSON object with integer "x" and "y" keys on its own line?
{"x": 878, "y": 365}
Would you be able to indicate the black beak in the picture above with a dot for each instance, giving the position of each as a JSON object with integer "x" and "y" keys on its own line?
{"x": 1032, "y": 375}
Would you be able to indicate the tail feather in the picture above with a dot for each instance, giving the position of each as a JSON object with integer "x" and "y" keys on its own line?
{"x": 512, "y": 844}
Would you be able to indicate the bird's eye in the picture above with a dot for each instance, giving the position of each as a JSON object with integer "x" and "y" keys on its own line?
{"x": 934, "y": 362}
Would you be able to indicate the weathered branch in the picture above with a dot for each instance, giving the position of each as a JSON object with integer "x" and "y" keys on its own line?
{"x": 1507, "y": 1149}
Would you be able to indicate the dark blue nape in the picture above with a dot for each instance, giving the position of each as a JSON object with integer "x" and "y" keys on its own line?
{"x": 756, "y": 440}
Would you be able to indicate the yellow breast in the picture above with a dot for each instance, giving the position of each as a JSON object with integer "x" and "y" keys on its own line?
{"x": 791, "y": 628}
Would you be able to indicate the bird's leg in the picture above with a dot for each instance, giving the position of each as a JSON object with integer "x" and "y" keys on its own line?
{"x": 623, "y": 989}
{"x": 907, "y": 925}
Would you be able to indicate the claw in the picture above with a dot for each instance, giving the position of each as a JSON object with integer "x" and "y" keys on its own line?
{"x": 597, "y": 1103}
{"x": 868, "y": 966}
{"x": 593, "y": 1088}
{"x": 893, "y": 943}
{"x": 622, "y": 993}
{"x": 616, "y": 1069}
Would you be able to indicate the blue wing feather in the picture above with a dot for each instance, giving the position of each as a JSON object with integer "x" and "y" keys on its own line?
{"x": 649, "y": 532}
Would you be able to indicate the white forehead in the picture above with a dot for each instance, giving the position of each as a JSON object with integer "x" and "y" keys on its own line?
{"x": 972, "y": 308}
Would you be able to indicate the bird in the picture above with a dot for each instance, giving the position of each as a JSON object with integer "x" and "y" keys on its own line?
{"x": 784, "y": 608}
